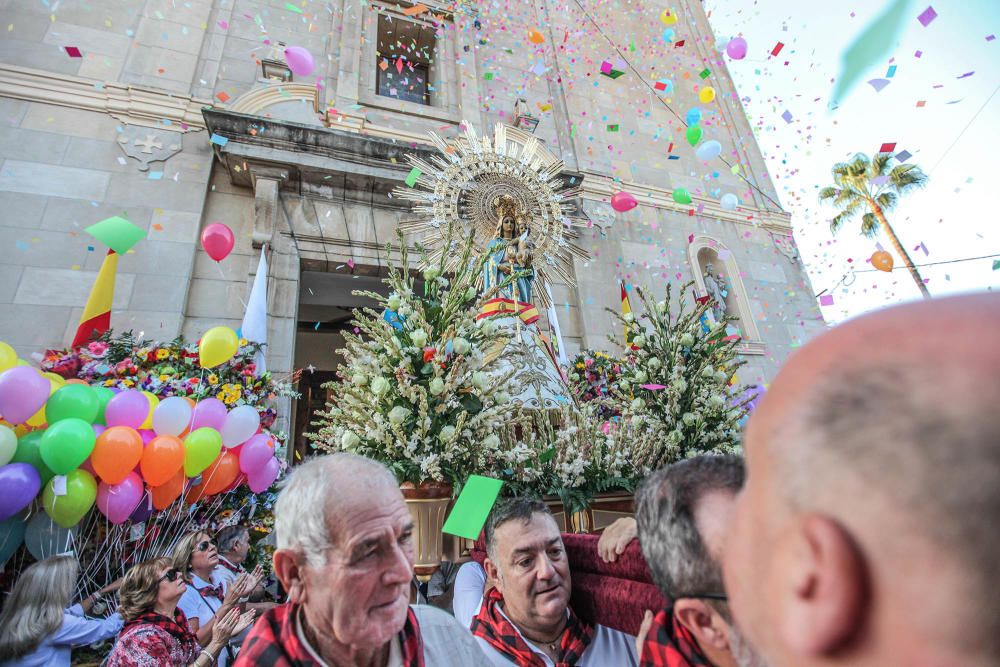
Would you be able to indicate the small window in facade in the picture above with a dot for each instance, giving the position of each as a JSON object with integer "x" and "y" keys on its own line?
{"x": 404, "y": 59}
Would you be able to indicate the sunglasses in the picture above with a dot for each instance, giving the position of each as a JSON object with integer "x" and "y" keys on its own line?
{"x": 704, "y": 596}
{"x": 170, "y": 575}
{"x": 205, "y": 545}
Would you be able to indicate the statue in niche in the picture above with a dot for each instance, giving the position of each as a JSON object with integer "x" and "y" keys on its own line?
{"x": 510, "y": 254}
{"x": 714, "y": 288}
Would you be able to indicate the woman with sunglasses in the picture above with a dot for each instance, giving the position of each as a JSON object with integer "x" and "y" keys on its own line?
{"x": 209, "y": 597}
{"x": 156, "y": 632}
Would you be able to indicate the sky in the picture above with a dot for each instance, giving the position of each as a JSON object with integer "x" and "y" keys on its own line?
{"x": 941, "y": 105}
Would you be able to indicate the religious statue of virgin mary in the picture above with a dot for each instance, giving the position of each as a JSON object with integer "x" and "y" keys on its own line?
{"x": 508, "y": 269}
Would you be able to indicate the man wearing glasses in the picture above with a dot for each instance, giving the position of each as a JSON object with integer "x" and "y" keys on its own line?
{"x": 682, "y": 514}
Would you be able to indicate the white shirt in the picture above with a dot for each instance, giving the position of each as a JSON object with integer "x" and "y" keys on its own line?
{"x": 446, "y": 643}
{"x": 76, "y": 630}
{"x": 608, "y": 648}
{"x": 223, "y": 574}
{"x": 203, "y": 607}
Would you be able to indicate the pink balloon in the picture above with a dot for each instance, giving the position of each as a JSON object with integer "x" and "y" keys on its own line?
{"x": 209, "y": 413}
{"x": 623, "y": 201}
{"x": 118, "y": 501}
{"x": 23, "y": 392}
{"x": 217, "y": 239}
{"x": 86, "y": 465}
{"x": 128, "y": 408}
{"x": 299, "y": 60}
{"x": 147, "y": 435}
{"x": 259, "y": 481}
{"x": 255, "y": 453}
{"x": 737, "y": 48}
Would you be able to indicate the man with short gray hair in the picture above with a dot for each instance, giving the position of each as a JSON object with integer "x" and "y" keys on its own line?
{"x": 345, "y": 556}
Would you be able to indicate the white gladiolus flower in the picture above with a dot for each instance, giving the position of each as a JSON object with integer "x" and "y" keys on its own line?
{"x": 461, "y": 346}
{"x": 380, "y": 386}
{"x": 349, "y": 440}
{"x": 398, "y": 415}
{"x": 447, "y": 433}
{"x": 436, "y": 386}
{"x": 470, "y": 294}
{"x": 418, "y": 337}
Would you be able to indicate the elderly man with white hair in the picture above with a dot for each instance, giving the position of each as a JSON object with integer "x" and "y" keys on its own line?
{"x": 345, "y": 556}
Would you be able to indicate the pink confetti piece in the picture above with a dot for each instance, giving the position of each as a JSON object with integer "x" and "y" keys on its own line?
{"x": 73, "y": 52}
{"x": 653, "y": 387}
{"x": 879, "y": 84}
{"x": 927, "y": 16}
{"x": 826, "y": 300}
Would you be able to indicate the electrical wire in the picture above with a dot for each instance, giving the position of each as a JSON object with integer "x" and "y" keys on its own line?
{"x": 853, "y": 272}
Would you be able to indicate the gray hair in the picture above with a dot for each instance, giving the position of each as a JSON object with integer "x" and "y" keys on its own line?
{"x": 666, "y": 501}
{"x": 510, "y": 509}
{"x": 310, "y": 497}
{"x": 34, "y": 609}
{"x": 227, "y": 538}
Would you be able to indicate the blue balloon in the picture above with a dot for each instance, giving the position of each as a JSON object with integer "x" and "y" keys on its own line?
{"x": 693, "y": 116}
{"x": 11, "y": 536}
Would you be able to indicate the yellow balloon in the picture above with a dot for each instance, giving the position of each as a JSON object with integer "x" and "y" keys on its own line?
{"x": 22, "y": 362}
{"x": 37, "y": 419}
{"x": 218, "y": 346}
{"x": 706, "y": 95}
{"x": 668, "y": 17}
{"x": 8, "y": 357}
{"x": 59, "y": 380}
{"x": 154, "y": 400}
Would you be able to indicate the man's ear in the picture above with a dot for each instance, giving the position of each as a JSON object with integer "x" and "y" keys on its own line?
{"x": 699, "y": 618}
{"x": 822, "y": 602}
{"x": 493, "y": 574}
{"x": 288, "y": 567}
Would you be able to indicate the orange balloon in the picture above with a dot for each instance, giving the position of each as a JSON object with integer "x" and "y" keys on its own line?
{"x": 117, "y": 452}
{"x": 76, "y": 381}
{"x": 167, "y": 493}
{"x": 162, "y": 458}
{"x": 216, "y": 477}
{"x": 882, "y": 260}
{"x": 535, "y": 37}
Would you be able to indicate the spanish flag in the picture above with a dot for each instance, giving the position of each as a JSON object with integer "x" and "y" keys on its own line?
{"x": 626, "y": 309}
{"x": 501, "y": 306}
{"x": 97, "y": 313}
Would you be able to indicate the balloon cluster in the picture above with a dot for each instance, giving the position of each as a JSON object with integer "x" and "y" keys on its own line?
{"x": 112, "y": 449}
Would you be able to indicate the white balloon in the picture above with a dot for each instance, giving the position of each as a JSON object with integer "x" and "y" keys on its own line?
{"x": 240, "y": 425}
{"x": 44, "y": 537}
{"x": 8, "y": 445}
{"x": 709, "y": 150}
{"x": 729, "y": 201}
{"x": 171, "y": 416}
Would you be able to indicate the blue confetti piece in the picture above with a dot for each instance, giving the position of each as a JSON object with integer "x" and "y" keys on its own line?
{"x": 21, "y": 245}
{"x": 219, "y": 140}
{"x": 155, "y": 175}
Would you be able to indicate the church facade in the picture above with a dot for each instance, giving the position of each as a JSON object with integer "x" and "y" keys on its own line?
{"x": 177, "y": 114}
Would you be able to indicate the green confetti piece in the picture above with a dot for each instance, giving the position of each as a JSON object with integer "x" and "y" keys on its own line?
{"x": 472, "y": 507}
{"x": 631, "y": 44}
{"x": 117, "y": 233}
{"x": 488, "y": 76}
{"x": 871, "y": 45}
{"x": 996, "y": 264}
{"x": 735, "y": 168}
{"x": 411, "y": 178}
{"x": 705, "y": 73}
{"x": 293, "y": 8}
{"x": 612, "y": 128}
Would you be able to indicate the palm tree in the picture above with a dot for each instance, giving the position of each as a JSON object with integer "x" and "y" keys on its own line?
{"x": 873, "y": 185}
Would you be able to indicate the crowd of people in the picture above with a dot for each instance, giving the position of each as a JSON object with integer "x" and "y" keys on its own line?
{"x": 856, "y": 531}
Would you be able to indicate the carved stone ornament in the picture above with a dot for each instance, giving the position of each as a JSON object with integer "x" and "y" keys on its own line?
{"x": 146, "y": 145}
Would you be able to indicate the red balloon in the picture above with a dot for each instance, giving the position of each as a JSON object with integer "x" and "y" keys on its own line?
{"x": 217, "y": 239}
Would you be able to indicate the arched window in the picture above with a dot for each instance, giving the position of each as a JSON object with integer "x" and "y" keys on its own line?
{"x": 715, "y": 271}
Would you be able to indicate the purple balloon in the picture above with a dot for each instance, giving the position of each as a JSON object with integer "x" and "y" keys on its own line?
{"x": 299, "y": 60}
{"x": 129, "y": 408}
{"x": 23, "y": 392}
{"x": 20, "y": 483}
{"x": 142, "y": 511}
{"x": 99, "y": 429}
{"x": 209, "y": 413}
{"x": 737, "y": 48}
{"x": 261, "y": 479}
{"x": 118, "y": 501}
{"x": 255, "y": 452}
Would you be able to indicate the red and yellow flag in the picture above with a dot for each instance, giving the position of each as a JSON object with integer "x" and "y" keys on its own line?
{"x": 96, "y": 317}
{"x": 626, "y": 309}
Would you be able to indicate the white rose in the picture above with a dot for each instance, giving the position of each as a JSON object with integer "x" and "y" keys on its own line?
{"x": 436, "y": 386}
{"x": 488, "y": 326}
{"x": 491, "y": 441}
{"x": 661, "y": 307}
{"x": 479, "y": 380}
{"x": 418, "y": 337}
{"x": 443, "y": 281}
{"x": 636, "y": 404}
{"x": 640, "y": 376}
{"x": 470, "y": 294}
{"x": 721, "y": 377}
{"x": 446, "y": 434}
{"x": 502, "y": 397}
{"x": 380, "y": 386}
{"x": 688, "y": 418}
{"x": 398, "y": 415}
{"x": 461, "y": 346}
{"x": 654, "y": 362}
{"x": 716, "y": 401}
{"x": 404, "y": 309}
{"x": 629, "y": 317}
{"x": 431, "y": 273}
{"x": 393, "y": 302}
{"x": 349, "y": 440}
{"x": 708, "y": 372}
{"x": 639, "y": 340}
{"x": 574, "y": 376}
{"x": 687, "y": 340}
{"x": 680, "y": 386}
{"x": 359, "y": 379}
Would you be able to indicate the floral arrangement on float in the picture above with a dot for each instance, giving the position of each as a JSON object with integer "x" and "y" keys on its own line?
{"x": 678, "y": 396}
{"x": 415, "y": 389}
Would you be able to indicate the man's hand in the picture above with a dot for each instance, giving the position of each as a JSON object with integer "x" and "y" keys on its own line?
{"x": 615, "y": 539}
{"x": 640, "y": 638}
{"x": 235, "y": 590}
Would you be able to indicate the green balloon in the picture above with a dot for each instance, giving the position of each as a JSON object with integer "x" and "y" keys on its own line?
{"x": 694, "y": 134}
{"x": 67, "y": 510}
{"x": 28, "y": 452}
{"x": 66, "y": 444}
{"x": 201, "y": 448}
{"x": 104, "y": 394}
{"x": 72, "y": 401}
{"x": 682, "y": 196}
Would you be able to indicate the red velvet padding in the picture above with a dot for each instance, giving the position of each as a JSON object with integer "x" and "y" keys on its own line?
{"x": 612, "y": 594}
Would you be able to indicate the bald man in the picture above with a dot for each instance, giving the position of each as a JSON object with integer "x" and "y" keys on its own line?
{"x": 866, "y": 533}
